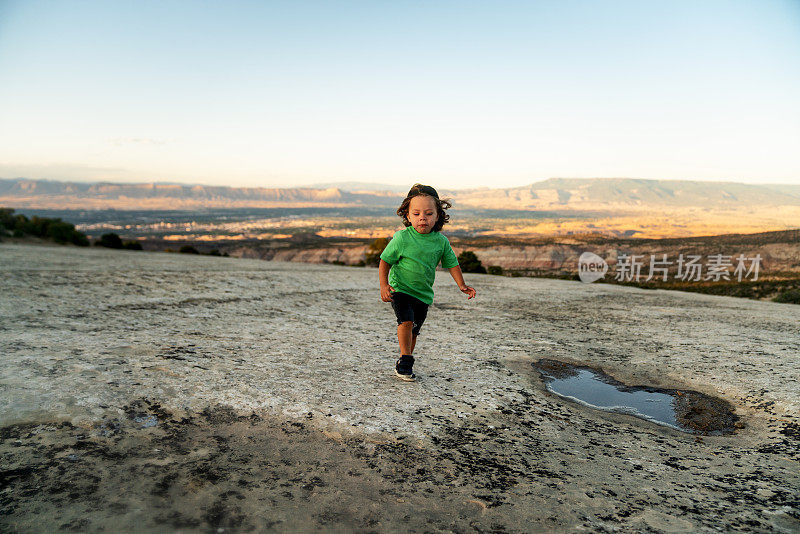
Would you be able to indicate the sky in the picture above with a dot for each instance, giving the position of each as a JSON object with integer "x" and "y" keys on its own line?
{"x": 451, "y": 93}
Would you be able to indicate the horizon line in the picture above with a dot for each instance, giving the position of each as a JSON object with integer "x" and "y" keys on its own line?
{"x": 333, "y": 186}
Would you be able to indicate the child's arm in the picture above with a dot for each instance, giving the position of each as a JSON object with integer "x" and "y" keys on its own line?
{"x": 383, "y": 279}
{"x": 455, "y": 272}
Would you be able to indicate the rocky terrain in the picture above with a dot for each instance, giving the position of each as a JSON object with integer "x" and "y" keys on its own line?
{"x": 779, "y": 251}
{"x": 151, "y": 391}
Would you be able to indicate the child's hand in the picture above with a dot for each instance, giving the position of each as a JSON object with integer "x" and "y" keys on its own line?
{"x": 468, "y": 291}
{"x": 386, "y": 293}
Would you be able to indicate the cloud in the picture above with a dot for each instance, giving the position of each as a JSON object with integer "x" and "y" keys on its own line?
{"x": 141, "y": 141}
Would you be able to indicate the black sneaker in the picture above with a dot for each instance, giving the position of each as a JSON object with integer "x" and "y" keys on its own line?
{"x": 403, "y": 368}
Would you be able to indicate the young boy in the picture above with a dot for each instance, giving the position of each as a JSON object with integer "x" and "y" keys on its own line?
{"x": 408, "y": 268}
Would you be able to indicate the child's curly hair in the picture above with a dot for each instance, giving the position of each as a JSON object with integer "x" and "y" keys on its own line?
{"x": 441, "y": 205}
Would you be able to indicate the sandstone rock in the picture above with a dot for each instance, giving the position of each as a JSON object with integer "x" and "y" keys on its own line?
{"x": 254, "y": 360}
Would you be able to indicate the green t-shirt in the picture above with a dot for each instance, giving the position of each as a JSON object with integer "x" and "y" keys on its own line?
{"x": 414, "y": 257}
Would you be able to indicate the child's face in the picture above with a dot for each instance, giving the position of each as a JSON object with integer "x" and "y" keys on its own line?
{"x": 422, "y": 213}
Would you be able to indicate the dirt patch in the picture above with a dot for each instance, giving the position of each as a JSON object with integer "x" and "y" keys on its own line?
{"x": 218, "y": 469}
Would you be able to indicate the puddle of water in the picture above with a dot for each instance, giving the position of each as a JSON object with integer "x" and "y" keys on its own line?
{"x": 689, "y": 411}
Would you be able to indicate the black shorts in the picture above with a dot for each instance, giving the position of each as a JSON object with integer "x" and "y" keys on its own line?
{"x": 408, "y": 308}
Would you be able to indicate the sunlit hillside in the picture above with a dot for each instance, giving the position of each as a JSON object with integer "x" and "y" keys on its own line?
{"x": 610, "y": 207}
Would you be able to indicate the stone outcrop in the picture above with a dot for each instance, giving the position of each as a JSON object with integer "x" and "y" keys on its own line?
{"x": 776, "y": 257}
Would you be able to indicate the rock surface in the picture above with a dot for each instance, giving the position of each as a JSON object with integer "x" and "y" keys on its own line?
{"x": 244, "y": 394}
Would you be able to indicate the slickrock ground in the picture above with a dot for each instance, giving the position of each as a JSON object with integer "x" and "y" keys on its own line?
{"x": 152, "y": 392}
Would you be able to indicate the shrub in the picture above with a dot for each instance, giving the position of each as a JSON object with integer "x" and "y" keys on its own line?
{"x": 373, "y": 256}
{"x": 789, "y": 297}
{"x": 109, "y": 241}
{"x": 214, "y": 252}
{"x": 37, "y": 226}
{"x": 60, "y": 232}
{"x": 132, "y": 245}
{"x": 80, "y": 239}
{"x": 188, "y": 249}
{"x": 470, "y": 263}
{"x": 495, "y": 269}
{"x": 7, "y": 219}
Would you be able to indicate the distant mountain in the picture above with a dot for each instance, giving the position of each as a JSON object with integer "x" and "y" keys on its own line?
{"x": 23, "y": 192}
{"x": 24, "y": 187}
{"x": 586, "y": 194}
{"x": 629, "y": 193}
{"x": 363, "y": 186}
{"x": 793, "y": 190}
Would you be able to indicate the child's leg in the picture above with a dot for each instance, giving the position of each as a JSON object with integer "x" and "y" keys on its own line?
{"x": 411, "y": 314}
{"x": 405, "y": 338}
{"x": 420, "y": 313}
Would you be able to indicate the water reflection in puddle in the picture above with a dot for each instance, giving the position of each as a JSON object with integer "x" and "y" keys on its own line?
{"x": 587, "y": 387}
{"x": 689, "y": 411}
